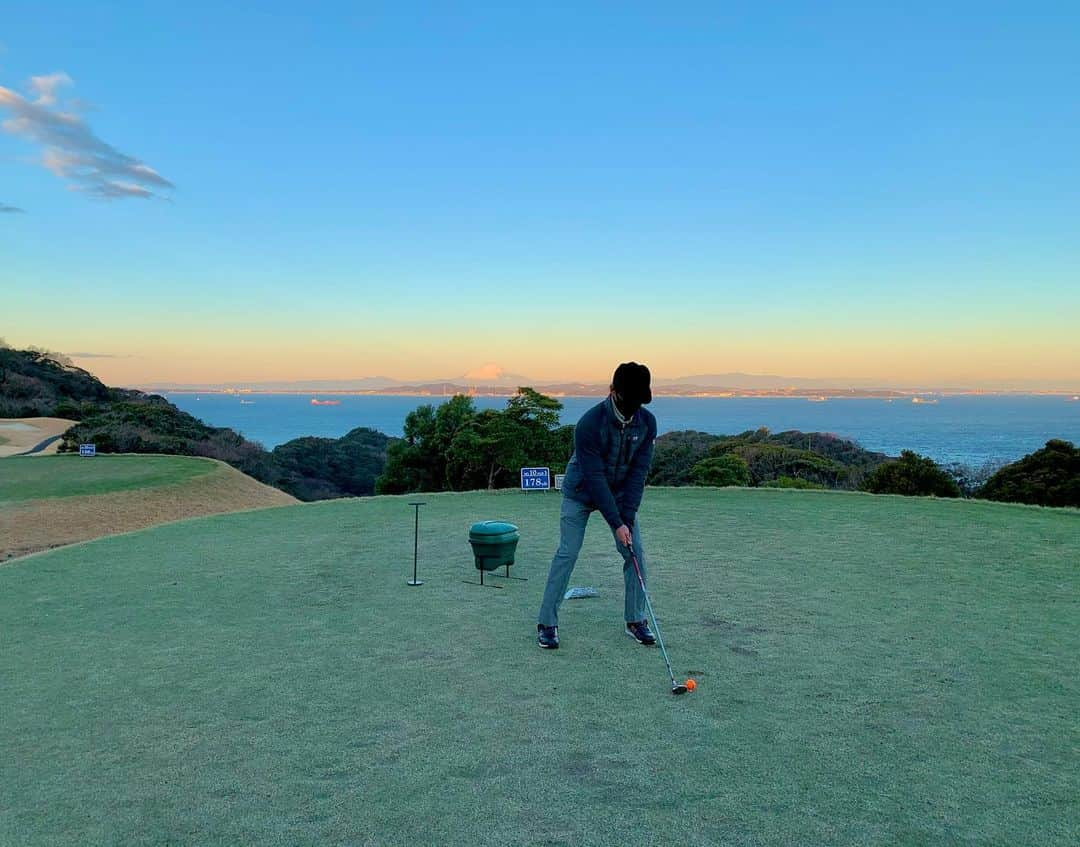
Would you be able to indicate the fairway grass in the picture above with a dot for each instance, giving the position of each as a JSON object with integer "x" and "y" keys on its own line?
{"x": 69, "y": 475}
{"x": 872, "y": 670}
{"x": 51, "y": 501}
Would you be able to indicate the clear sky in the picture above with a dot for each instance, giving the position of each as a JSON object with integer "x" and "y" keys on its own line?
{"x": 327, "y": 190}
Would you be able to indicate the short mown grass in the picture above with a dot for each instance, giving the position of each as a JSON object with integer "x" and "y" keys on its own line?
{"x": 69, "y": 475}
{"x": 873, "y": 670}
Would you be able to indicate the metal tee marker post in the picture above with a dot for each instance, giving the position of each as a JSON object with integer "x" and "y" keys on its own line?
{"x": 416, "y": 545}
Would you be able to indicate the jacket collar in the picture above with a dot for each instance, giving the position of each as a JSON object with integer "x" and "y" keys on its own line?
{"x": 619, "y": 419}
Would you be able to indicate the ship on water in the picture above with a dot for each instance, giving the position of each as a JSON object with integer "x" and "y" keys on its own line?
{"x": 315, "y": 401}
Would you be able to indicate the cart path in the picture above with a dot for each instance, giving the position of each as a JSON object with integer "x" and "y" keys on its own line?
{"x": 37, "y": 448}
{"x": 31, "y": 436}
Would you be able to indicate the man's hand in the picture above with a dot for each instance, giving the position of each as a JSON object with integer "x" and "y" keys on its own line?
{"x": 623, "y": 536}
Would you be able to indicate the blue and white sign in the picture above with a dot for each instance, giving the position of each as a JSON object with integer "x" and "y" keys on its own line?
{"x": 87, "y": 449}
{"x": 533, "y": 479}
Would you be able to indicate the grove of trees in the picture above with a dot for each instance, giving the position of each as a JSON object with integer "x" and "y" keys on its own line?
{"x": 789, "y": 459}
{"x": 455, "y": 447}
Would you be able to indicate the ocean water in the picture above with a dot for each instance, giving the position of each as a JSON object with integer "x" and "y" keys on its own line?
{"x": 969, "y": 429}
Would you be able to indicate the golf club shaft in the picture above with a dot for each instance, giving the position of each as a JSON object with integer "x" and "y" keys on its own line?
{"x": 652, "y": 614}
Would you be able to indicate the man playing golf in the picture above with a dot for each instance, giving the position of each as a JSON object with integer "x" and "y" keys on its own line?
{"x": 613, "y": 448}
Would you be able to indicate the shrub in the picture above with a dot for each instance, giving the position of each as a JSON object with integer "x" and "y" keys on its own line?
{"x": 912, "y": 475}
{"x": 792, "y": 482}
{"x": 1048, "y": 477}
{"x": 721, "y": 471}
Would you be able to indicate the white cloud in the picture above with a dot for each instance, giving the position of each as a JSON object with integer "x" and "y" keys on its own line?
{"x": 71, "y": 150}
{"x": 45, "y": 86}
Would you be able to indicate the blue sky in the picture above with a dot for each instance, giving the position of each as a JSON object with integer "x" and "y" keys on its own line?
{"x": 885, "y": 190}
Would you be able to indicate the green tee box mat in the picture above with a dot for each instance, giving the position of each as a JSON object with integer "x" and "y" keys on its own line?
{"x": 494, "y": 544}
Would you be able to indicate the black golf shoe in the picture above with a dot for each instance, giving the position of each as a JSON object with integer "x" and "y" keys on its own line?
{"x": 640, "y": 632}
{"x": 547, "y": 636}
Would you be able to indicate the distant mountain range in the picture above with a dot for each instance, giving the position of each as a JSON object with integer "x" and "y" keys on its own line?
{"x": 704, "y": 385}
{"x": 367, "y": 383}
{"x": 492, "y": 379}
{"x": 759, "y": 381}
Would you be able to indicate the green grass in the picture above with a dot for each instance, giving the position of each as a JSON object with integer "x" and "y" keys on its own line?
{"x": 873, "y": 670}
{"x": 69, "y": 475}
{"x": 4, "y": 440}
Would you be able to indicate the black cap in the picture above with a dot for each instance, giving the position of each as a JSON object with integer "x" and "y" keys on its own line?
{"x": 631, "y": 380}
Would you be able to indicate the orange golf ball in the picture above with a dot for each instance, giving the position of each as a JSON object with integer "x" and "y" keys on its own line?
{"x": 690, "y": 685}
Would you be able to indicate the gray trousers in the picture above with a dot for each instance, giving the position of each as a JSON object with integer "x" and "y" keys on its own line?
{"x": 573, "y": 519}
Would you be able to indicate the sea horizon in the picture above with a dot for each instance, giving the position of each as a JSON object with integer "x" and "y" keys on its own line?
{"x": 970, "y": 429}
{"x": 830, "y": 393}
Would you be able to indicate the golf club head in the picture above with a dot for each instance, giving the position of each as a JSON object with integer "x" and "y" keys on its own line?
{"x": 679, "y": 689}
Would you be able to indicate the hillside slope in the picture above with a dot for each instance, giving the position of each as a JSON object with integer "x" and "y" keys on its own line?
{"x": 873, "y": 670}
{"x": 55, "y": 500}
{"x": 116, "y": 420}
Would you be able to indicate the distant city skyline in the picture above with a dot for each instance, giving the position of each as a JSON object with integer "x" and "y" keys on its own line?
{"x": 862, "y": 191}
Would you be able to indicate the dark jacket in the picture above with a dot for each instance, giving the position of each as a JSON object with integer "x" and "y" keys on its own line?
{"x": 610, "y": 462}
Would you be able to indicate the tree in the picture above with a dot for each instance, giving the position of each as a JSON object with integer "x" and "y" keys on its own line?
{"x": 537, "y": 418}
{"x": 503, "y": 444}
{"x": 419, "y": 461}
{"x": 912, "y": 475}
{"x": 526, "y": 433}
{"x": 721, "y": 471}
{"x": 405, "y": 471}
{"x": 1048, "y": 477}
{"x": 530, "y": 407}
{"x": 562, "y": 448}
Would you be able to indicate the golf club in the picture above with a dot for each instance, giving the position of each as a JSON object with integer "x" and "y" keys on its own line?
{"x": 676, "y": 687}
